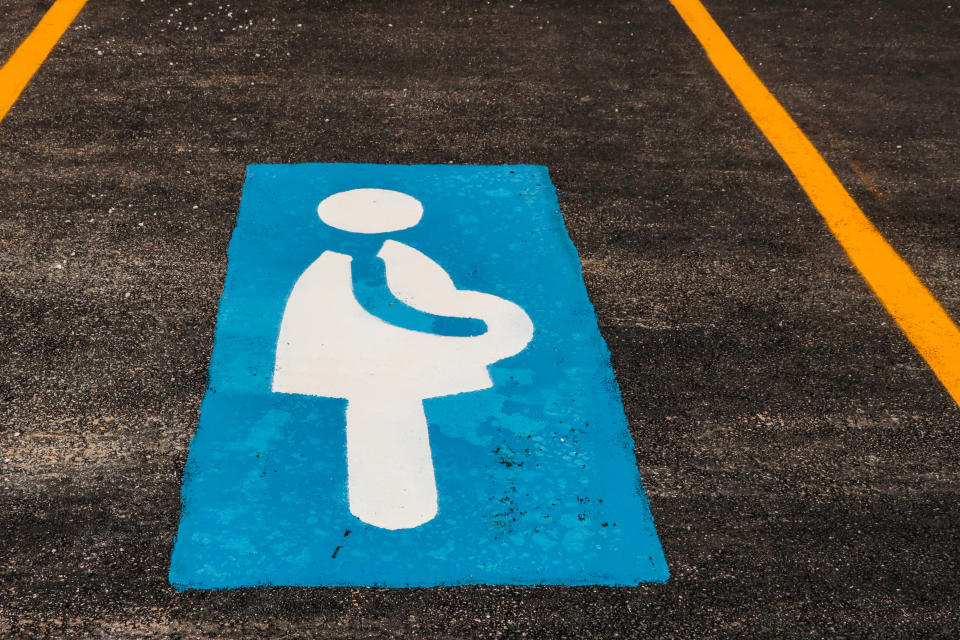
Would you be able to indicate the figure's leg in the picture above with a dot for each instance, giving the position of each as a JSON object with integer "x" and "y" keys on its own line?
{"x": 390, "y": 470}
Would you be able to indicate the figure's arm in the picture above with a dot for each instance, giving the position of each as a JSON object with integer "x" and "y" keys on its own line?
{"x": 417, "y": 280}
{"x": 372, "y": 292}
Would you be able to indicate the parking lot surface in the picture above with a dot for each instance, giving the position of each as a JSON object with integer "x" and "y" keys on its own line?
{"x": 800, "y": 457}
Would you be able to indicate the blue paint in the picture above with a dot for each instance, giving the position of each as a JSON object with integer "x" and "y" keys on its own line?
{"x": 537, "y": 478}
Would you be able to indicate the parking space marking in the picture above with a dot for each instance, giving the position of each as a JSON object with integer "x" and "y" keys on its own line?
{"x": 924, "y": 321}
{"x": 335, "y": 447}
{"x": 26, "y": 60}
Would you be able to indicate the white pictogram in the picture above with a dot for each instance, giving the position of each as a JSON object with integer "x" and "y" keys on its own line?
{"x": 330, "y": 346}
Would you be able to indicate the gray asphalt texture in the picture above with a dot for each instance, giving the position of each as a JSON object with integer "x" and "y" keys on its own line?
{"x": 800, "y": 458}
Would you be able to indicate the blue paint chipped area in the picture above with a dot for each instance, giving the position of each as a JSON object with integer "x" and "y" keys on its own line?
{"x": 537, "y": 478}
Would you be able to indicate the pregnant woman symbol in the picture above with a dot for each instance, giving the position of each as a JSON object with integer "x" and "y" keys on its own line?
{"x": 331, "y": 346}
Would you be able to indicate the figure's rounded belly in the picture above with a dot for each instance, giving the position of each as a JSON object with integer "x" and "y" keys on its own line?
{"x": 329, "y": 345}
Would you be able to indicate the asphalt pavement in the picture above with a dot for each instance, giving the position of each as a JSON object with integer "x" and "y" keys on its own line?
{"x": 800, "y": 458}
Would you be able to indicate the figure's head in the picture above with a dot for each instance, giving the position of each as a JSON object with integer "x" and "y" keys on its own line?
{"x": 370, "y": 210}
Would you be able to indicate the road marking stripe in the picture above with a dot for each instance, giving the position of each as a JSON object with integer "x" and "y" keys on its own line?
{"x": 914, "y": 308}
{"x": 16, "y": 73}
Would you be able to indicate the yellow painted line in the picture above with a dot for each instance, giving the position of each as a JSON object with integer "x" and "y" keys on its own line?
{"x": 16, "y": 73}
{"x": 933, "y": 333}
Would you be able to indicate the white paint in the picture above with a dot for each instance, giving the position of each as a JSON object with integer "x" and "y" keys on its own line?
{"x": 370, "y": 210}
{"x": 330, "y": 346}
{"x": 390, "y": 480}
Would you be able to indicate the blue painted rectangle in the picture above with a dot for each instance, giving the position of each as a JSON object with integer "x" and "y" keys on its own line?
{"x": 536, "y": 477}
